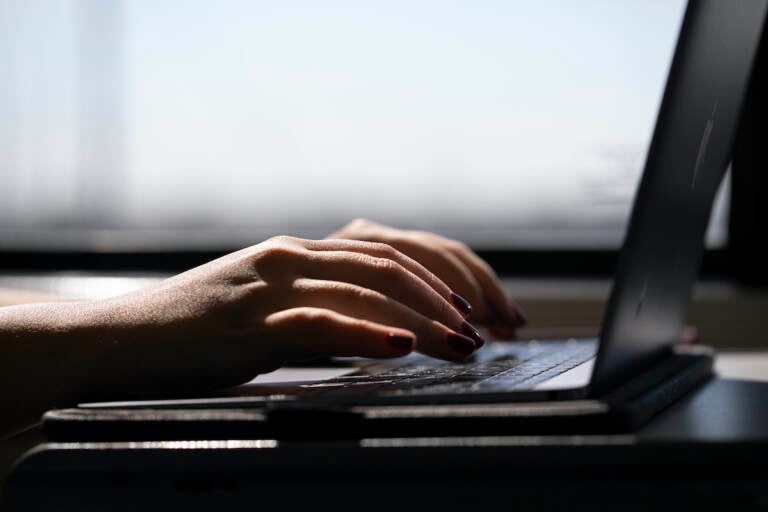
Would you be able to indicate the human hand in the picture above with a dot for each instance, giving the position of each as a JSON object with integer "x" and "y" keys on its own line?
{"x": 287, "y": 299}
{"x": 456, "y": 265}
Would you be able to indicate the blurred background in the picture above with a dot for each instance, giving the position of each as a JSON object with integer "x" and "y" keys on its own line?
{"x": 196, "y": 125}
{"x": 141, "y": 138}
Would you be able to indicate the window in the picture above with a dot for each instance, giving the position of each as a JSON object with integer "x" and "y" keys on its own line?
{"x": 198, "y": 124}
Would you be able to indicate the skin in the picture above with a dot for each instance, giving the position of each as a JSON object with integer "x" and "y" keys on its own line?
{"x": 368, "y": 290}
{"x": 456, "y": 265}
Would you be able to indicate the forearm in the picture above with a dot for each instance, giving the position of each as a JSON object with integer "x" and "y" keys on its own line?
{"x": 42, "y": 351}
{"x": 58, "y": 354}
{"x": 13, "y": 296}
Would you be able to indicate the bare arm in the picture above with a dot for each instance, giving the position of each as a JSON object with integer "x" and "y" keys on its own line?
{"x": 224, "y": 322}
{"x": 40, "y": 345}
{"x": 12, "y": 296}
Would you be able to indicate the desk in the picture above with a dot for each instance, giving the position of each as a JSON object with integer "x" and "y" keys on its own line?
{"x": 707, "y": 451}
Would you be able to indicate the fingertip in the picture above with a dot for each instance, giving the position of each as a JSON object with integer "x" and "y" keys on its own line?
{"x": 508, "y": 313}
{"x": 469, "y": 330}
{"x": 462, "y": 345}
{"x": 461, "y": 304}
{"x": 404, "y": 343}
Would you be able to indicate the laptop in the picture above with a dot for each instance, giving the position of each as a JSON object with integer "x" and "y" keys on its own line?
{"x": 634, "y": 367}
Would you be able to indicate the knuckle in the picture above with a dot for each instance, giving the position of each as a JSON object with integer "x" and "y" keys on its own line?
{"x": 275, "y": 259}
{"x": 418, "y": 237}
{"x": 356, "y": 228}
{"x": 387, "y": 266}
{"x": 361, "y": 294}
{"x": 276, "y": 253}
{"x": 360, "y": 222}
{"x": 385, "y": 249}
{"x": 424, "y": 237}
{"x": 362, "y": 229}
{"x": 361, "y": 324}
{"x": 353, "y": 294}
{"x": 284, "y": 239}
{"x": 311, "y": 317}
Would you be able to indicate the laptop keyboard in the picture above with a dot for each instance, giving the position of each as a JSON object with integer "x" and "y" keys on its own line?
{"x": 535, "y": 363}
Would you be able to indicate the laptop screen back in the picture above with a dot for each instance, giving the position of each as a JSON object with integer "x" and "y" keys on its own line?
{"x": 689, "y": 153}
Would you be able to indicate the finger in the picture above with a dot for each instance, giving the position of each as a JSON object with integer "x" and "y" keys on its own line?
{"x": 447, "y": 267}
{"x": 390, "y": 279}
{"x": 476, "y": 280}
{"x": 382, "y": 250}
{"x": 501, "y": 306}
{"x": 434, "y": 338}
{"x": 310, "y": 331}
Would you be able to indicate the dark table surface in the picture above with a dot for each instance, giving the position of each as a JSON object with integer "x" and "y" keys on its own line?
{"x": 707, "y": 450}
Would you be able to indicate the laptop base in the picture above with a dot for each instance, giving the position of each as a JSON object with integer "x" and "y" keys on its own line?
{"x": 622, "y": 409}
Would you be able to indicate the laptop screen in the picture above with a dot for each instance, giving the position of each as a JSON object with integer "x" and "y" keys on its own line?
{"x": 689, "y": 153}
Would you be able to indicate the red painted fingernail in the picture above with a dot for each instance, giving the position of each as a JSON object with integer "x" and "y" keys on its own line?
{"x": 460, "y": 343}
{"x": 399, "y": 341}
{"x": 473, "y": 333}
{"x": 461, "y": 304}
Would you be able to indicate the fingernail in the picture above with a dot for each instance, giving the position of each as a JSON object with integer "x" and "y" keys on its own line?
{"x": 461, "y": 303}
{"x": 522, "y": 318}
{"x": 473, "y": 333}
{"x": 400, "y": 341}
{"x": 460, "y": 343}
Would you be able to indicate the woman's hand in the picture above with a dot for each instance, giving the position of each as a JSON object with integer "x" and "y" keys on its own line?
{"x": 247, "y": 313}
{"x": 284, "y": 299}
{"x": 456, "y": 265}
